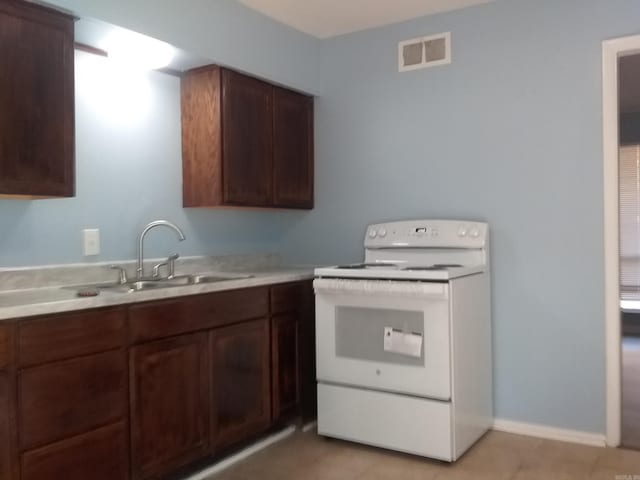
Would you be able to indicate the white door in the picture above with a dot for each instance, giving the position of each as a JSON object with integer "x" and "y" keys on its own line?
{"x": 354, "y": 316}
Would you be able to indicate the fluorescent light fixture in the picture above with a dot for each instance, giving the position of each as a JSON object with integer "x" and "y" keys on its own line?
{"x": 137, "y": 51}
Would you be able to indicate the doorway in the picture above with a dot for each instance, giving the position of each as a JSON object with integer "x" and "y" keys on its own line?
{"x": 629, "y": 243}
{"x": 613, "y": 50}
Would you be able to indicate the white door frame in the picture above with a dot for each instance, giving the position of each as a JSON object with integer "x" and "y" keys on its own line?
{"x": 611, "y": 51}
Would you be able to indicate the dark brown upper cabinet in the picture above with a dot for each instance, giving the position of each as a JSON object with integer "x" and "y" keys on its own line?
{"x": 245, "y": 142}
{"x": 292, "y": 149}
{"x": 37, "y": 98}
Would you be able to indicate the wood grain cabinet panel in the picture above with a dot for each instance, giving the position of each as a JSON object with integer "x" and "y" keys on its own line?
{"x": 245, "y": 142}
{"x": 240, "y": 382}
{"x": 307, "y": 349}
{"x": 102, "y": 454}
{"x": 292, "y": 149}
{"x": 285, "y": 389}
{"x": 5, "y": 345}
{"x": 156, "y": 320}
{"x": 7, "y": 427}
{"x": 37, "y": 98}
{"x": 68, "y": 335}
{"x": 169, "y": 404}
{"x": 70, "y": 397}
{"x": 286, "y": 297}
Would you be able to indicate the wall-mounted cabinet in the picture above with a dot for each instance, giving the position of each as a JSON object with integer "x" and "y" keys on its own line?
{"x": 245, "y": 142}
{"x": 37, "y": 98}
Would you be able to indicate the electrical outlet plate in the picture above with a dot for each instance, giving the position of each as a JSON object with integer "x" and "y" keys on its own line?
{"x": 91, "y": 241}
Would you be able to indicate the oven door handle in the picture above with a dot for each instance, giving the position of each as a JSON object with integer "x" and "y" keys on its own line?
{"x": 387, "y": 288}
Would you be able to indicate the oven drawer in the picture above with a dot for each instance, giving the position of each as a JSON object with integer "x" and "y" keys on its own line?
{"x": 351, "y": 326}
{"x": 407, "y": 424}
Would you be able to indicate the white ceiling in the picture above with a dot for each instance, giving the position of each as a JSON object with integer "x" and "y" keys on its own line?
{"x": 328, "y": 18}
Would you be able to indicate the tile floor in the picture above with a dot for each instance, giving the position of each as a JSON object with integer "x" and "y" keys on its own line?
{"x": 497, "y": 456}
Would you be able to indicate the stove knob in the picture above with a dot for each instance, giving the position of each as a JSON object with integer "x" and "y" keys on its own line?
{"x": 462, "y": 231}
{"x": 474, "y": 232}
{"x": 372, "y": 233}
{"x": 382, "y": 232}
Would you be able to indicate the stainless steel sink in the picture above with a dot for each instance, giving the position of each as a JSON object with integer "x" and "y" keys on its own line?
{"x": 150, "y": 284}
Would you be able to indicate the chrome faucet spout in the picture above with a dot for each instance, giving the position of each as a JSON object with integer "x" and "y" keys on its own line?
{"x": 145, "y": 230}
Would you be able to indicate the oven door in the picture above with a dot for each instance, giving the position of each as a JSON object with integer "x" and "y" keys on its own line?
{"x": 385, "y": 335}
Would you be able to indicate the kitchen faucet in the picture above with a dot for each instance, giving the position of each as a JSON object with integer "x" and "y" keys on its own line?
{"x": 157, "y": 223}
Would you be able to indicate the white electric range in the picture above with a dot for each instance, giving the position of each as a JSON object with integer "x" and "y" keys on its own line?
{"x": 403, "y": 339}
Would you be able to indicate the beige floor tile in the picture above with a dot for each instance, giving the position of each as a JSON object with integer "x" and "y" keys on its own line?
{"x": 497, "y": 456}
{"x": 546, "y": 475}
{"x": 510, "y": 441}
{"x": 486, "y": 458}
{"x": 404, "y": 467}
{"x": 554, "y": 451}
{"x": 354, "y": 460}
{"x": 455, "y": 474}
{"x": 606, "y": 474}
{"x": 620, "y": 458}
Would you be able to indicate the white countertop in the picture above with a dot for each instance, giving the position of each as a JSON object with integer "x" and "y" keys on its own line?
{"x": 41, "y": 301}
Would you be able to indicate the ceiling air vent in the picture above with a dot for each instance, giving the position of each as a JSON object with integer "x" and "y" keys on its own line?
{"x": 424, "y": 52}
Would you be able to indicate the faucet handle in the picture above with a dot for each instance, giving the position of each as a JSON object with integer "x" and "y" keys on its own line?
{"x": 122, "y": 273}
{"x": 156, "y": 270}
{"x": 172, "y": 264}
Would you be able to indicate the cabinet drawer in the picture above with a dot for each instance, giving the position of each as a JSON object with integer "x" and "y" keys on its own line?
{"x": 98, "y": 455}
{"x": 71, "y": 397}
{"x": 163, "y": 319}
{"x": 5, "y": 345}
{"x": 286, "y": 297}
{"x": 72, "y": 334}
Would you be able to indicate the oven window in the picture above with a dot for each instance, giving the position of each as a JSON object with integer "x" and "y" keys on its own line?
{"x": 360, "y": 333}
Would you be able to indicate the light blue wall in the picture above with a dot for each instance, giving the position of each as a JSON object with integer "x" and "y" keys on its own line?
{"x": 129, "y": 172}
{"x": 509, "y": 133}
{"x": 128, "y": 153}
{"x": 224, "y": 31}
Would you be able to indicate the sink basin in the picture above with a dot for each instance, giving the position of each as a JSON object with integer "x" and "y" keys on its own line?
{"x": 180, "y": 281}
{"x": 142, "y": 285}
{"x": 196, "y": 279}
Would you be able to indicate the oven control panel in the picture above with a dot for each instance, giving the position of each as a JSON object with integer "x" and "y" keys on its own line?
{"x": 427, "y": 233}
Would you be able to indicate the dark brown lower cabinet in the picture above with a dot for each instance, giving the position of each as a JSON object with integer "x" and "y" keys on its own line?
{"x": 169, "y": 404}
{"x": 216, "y": 371}
{"x": 240, "y": 382}
{"x": 6, "y": 427}
{"x": 307, "y": 346}
{"x": 102, "y": 454}
{"x": 62, "y": 399}
{"x": 284, "y": 365}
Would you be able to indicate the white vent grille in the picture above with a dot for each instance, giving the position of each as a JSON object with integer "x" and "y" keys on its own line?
{"x": 424, "y": 52}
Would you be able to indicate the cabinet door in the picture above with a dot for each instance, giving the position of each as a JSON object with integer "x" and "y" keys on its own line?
{"x": 308, "y": 385}
{"x": 98, "y": 455}
{"x": 292, "y": 149}
{"x": 62, "y": 399}
{"x": 36, "y": 94}
{"x": 7, "y": 425}
{"x": 169, "y": 404}
{"x": 241, "y": 405}
{"x": 247, "y": 130}
{"x": 284, "y": 365}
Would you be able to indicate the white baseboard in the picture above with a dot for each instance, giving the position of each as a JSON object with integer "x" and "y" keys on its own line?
{"x": 241, "y": 455}
{"x": 550, "y": 433}
{"x": 309, "y": 426}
